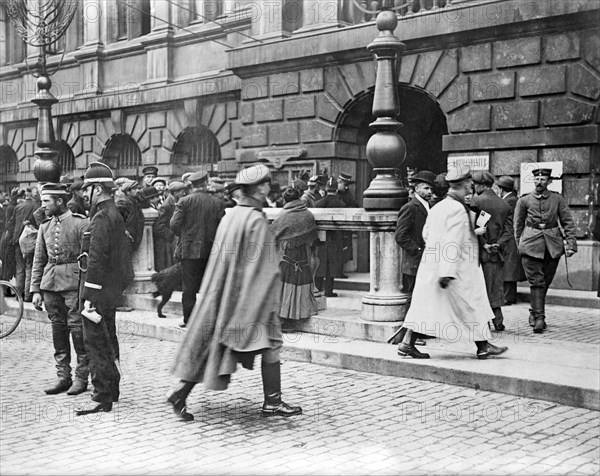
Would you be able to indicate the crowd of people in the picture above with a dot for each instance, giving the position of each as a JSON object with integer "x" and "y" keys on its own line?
{"x": 465, "y": 246}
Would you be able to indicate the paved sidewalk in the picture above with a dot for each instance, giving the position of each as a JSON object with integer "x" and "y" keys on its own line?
{"x": 353, "y": 423}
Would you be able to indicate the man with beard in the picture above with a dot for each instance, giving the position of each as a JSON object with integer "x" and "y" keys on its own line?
{"x": 55, "y": 282}
{"x": 537, "y": 219}
{"x": 109, "y": 272}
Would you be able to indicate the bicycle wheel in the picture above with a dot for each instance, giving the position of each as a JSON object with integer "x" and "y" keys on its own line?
{"x": 11, "y": 309}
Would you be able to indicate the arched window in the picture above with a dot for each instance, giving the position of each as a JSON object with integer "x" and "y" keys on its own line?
{"x": 197, "y": 146}
{"x": 65, "y": 157}
{"x": 9, "y": 163}
{"x": 123, "y": 155}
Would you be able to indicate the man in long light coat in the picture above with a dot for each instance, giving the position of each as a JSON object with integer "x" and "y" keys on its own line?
{"x": 236, "y": 315}
{"x": 450, "y": 293}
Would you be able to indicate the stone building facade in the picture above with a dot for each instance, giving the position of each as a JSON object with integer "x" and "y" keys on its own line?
{"x": 218, "y": 84}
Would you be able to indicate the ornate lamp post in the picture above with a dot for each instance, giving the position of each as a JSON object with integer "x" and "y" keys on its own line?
{"x": 41, "y": 23}
{"x": 386, "y": 150}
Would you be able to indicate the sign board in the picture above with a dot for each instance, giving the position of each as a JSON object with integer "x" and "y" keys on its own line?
{"x": 474, "y": 160}
{"x": 527, "y": 183}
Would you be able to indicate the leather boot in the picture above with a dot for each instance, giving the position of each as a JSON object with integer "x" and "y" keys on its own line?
{"x": 498, "y": 320}
{"x": 538, "y": 306}
{"x": 61, "y": 385}
{"x": 408, "y": 349}
{"x": 81, "y": 370}
{"x": 177, "y": 400}
{"x": 79, "y": 386}
{"x": 273, "y": 405}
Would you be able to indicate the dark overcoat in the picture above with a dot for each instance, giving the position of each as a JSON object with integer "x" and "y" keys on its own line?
{"x": 164, "y": 239}
{"x": 331, "y": 254}
{"x": 513, "y": 270}
{"x": 409, "y": 235}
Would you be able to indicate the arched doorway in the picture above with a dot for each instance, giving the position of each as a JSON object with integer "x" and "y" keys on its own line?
{"x": 424, "y": 126}
{"x": 65, "y": 157}
{"x": 123, "y": 156}
{"x": 197, "y": 148}
{"x": 9, "y": 168}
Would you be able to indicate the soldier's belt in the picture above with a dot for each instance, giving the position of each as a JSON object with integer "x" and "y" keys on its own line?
{"x": 542, "y": 226}
{"x": 55, "y": 260}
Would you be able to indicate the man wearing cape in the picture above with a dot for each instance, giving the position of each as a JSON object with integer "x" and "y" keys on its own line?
{"x": 235, "y": 316}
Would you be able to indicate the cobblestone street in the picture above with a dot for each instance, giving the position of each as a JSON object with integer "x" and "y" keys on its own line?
{"x": 353, "y": 423}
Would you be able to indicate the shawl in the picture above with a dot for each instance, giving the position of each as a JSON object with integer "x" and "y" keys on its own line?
{"x": 295, "y": 226}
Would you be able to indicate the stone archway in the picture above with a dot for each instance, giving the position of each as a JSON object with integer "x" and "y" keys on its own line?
{"x": 122, "y": 154}
{"x": 9, "y": 168}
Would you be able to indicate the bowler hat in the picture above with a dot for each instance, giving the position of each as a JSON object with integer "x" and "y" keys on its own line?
{"x": 150, "y": 170}
{"x": 253, "y": 175}
{"x": 98, "y": 173}
{"x": 424, "y": 176}
{"x": 506, "y": 182}
{"x": 483, "y": 177}
{"x": 343, "y": 177}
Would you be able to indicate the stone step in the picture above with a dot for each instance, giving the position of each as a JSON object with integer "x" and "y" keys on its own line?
{"x": 559, "y": 297}
{"x": 558, "y": 371}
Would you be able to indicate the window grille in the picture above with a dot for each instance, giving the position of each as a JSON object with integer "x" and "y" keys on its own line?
{"x": 197, "y": 146}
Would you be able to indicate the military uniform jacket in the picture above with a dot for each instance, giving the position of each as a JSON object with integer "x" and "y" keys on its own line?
{"x": 58, "y": 244}
{"x": 496, "y": 229}
{"x": 109, "y": 266}
{"x": 195, "y": 222}
{"x": 536, "y": 225}
{"x": 409, "y": 235}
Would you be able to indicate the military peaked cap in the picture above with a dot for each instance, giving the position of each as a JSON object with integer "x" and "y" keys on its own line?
{"x": 342, "y": 177}
{"x": 542, "y": 172}
{"x": 54, "y": 189}
{"x": 150, "y": 170}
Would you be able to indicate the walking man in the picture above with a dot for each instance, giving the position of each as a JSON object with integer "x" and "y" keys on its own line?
{"x": 409, "y": 236}
{"x": 493, "y": 242}
{"x": 109, "y": 272}
{"x": 450, "y": 294}
{"x": 55, "y": 282}
{"x": 537, "y": 219}
{"x": 513, "y": 271}
{"x": 195, "y": 222}
{"x": 237, "y": 316}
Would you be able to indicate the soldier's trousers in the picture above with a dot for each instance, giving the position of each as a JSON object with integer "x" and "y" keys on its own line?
{"x": 540, "y": 272}
{"x": 102, "y": 349}
{"x": 63, "y": 312}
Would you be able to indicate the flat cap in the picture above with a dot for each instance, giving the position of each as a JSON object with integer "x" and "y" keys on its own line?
{"x": 176, "y": 186}
{"x": 186, "y": 176}
{"x": 458, "y": 173}
{"x": 424, "y": 176}
{"x": 128, "y": 185}
{"x": 66, "y": 179}
{"x": 506, "y": 182}
{"x": 483, "y": 177}
{"x": 217, "y": 180}
{"x": 345, "y": 177}
{"x": 300, "y": 185}
{"x": 98, "y": 173}
{"x": 542, "y": 172}
{"x": 197, "y": 177}
{"x": 54, "y": 189}
{"x": 150, "y": 192}
{"x": 231, "y": 186}
{"x": 150, "y": 170}
{"x": 253, "y": 175}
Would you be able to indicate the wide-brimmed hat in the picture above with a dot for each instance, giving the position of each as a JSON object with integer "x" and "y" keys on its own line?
{"x": 506, "y": 182}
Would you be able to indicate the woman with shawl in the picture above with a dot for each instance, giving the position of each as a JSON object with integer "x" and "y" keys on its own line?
{"x": 295, "y": 231}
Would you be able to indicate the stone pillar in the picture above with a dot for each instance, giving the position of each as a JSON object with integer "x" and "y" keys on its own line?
{"x": 158, "y": 45}
{"x": 96, "y": 18}
{"x": 385, "y": 301}
{"x": 143, "y": 258}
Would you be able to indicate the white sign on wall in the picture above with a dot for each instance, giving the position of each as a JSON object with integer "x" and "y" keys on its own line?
{"x": 527, "y": 184}
{"x": 474, "y": 160}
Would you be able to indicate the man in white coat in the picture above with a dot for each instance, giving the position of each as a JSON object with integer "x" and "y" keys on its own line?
{"x": 450, "y": 294}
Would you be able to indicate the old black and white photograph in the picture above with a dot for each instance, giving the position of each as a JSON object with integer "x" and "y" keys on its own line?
{"x": 299, "y": 237}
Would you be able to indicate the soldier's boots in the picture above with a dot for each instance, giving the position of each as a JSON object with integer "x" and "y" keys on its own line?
{"x": 79, "y": 386}
{"x": 61, "y": 385}
{"x": 538, "y": 301}
{"x": 273, "y": 405}
{"x": 498, "y": 320}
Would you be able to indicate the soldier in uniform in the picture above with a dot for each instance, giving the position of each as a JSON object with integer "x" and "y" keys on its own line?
{"x": 537, "y": 219}
{"x": 109, "y": 272}
{"x": 149, "y": 174}
{"x": 195, "y": 222}
{"x": 493, "y": 242}
{"x": 55, "y": 282}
